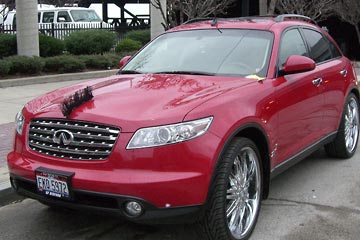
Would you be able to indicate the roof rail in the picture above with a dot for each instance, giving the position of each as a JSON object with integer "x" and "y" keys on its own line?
{"x": 279, "y": 18}
{"x": 194, "y": 20}
{"x": 282, "y": 18}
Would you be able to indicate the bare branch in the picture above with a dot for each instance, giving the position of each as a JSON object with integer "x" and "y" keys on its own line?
{"x": 349, "y": 11}
{"x": 318, "y": 10}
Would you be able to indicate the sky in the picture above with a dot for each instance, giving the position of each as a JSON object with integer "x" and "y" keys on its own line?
{"x": 114, "y": 11}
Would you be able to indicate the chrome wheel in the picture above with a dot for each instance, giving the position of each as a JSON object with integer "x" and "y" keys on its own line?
{"x": 351, "y": 125}
{"x": 243, "y": 193}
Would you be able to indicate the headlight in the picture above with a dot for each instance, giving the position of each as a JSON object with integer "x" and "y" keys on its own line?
{"x": 19, "y": 122}
{"x": 168, "y": 134}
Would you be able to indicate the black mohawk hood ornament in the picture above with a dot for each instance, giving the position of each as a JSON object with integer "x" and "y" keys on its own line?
{"x": 75, "y": 100}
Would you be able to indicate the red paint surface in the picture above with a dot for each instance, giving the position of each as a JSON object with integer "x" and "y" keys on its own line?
{"x": 289, "y": 109}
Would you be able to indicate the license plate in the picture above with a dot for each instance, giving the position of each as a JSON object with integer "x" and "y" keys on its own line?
{"x": 53, "y": 183}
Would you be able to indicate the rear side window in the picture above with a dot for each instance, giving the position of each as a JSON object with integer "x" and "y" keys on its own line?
{"x": 48, "y": 17}
{"x": 334, "y": 50}
{"x": 291, "y": 44}
{"x": 318, "y": 45}
{"x": 63, "y": 17}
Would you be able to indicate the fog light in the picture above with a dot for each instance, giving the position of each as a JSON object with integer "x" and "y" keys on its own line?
{"x": 134, "y": 209}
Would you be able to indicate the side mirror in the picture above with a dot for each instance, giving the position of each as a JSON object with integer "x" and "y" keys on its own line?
{"x": 298, "y": 64}
{"x": 123, "y": 61}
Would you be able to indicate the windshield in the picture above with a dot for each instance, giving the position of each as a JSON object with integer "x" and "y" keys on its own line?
{"x": 214, "y": 52}
{"x": 85, "y": 16}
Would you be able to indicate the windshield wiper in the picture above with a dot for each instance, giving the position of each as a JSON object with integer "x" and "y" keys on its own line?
{"x": 129, "y": 72}
{"x": 186, "y": 72}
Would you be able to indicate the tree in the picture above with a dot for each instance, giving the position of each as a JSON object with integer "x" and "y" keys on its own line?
{"x": 349, "y": 11}
{"x": 267, "y": 7}
{"x": 206, "y": 8}
{"x": 272, "y": 6}
{"x": 179, "y": 11}
{"x": 318, "y": 10}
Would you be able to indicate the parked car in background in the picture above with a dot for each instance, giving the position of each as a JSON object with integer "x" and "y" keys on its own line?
{"x": 193, "y": 126}
{"x": 59, "y": 22}
{"x": 60, "y": 15}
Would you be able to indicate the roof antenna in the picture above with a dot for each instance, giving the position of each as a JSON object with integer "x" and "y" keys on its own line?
{"x": 214, "y": 23}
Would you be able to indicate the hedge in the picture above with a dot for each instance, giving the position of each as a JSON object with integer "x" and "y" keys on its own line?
{"x": 25, "y": 65}
{"x": 50, "y": 46}
{"x": 8, "y": 45}
{"x": 128, "y": 45}
{"x": 142, "y": 36}
{"x": 21, "y": 65}
{"x": 64, "y": 64}
{"x": 90, "y": 42}
{"x": 4, "y": 68}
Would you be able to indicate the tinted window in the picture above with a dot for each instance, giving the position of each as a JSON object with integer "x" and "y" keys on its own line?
{"x": 85, "y": 16}
{"x": 319, "y": 46}
{"x": 291, "y": 44}
{"x": 63, "y": 17}
{"x": 334, "y": 50}
{"x": 48, "y": 17}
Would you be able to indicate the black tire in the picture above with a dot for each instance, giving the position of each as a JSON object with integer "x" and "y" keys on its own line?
{"x": 215, "y": 224}
{"x": 339, "y": 147}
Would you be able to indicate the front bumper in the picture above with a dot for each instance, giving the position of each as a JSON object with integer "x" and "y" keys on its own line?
{"x": 110, "y": 204}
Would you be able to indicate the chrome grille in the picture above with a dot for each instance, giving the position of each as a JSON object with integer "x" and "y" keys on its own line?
{"x": 90, "y": 141}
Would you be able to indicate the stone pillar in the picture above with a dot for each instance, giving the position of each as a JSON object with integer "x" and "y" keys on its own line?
{"x": 27, "y": 27}
{"x": 156, "y": 19}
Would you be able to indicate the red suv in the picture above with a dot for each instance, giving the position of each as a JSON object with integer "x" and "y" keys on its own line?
{"x": 194, "y": 126}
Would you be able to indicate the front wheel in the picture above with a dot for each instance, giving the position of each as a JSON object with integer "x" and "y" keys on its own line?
{"x": 235, "y": 199}
{"x": 345, "y": 143}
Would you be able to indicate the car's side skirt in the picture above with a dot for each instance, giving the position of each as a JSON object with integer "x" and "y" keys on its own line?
{"x": 301, "y": 155}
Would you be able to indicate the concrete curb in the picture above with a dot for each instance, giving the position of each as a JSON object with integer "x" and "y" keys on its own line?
{"x": 55, "y": 78}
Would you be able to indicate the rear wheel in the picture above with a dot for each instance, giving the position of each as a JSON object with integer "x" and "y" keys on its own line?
{"x": 237, "y": 190}
{"x": 345, "y": 143}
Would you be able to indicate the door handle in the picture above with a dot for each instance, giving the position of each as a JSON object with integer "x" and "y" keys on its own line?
{"x": 344, "y": 72}
{"x": 317, "y": 81}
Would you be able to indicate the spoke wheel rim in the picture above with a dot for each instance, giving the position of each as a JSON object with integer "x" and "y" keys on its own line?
{"x": 243, "y": 193}
{"x": 351, "y": 125}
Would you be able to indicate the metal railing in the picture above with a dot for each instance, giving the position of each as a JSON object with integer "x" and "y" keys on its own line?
{"x": 61, "y": 30}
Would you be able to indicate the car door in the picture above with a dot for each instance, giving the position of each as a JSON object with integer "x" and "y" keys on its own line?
{"x": 334, "y": 71}
{"x": 300, "y": 101}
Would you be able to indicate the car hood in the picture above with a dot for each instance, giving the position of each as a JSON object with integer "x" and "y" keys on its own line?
{"x": 134, "y": 101}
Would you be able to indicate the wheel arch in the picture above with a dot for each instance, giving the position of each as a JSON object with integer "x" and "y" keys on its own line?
{"x": 257, "y": 134}
{"x": 355, "y": 91}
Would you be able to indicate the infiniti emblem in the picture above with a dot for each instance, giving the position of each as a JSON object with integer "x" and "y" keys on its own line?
{"x": 64, "y": 137}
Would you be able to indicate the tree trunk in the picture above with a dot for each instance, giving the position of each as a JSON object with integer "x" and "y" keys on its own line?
{"x": 357, "y": 32}
{"x": 272, "y": 6}
{"x": 262, "y": 7}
